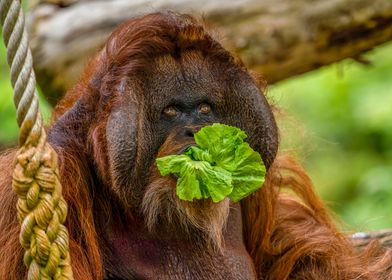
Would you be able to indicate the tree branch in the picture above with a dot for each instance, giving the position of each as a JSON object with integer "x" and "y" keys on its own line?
{"x": 279, "y": 38}
{"x": 362, "y": 239}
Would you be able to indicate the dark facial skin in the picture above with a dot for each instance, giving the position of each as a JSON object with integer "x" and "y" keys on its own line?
{"x": 177, "y": 98}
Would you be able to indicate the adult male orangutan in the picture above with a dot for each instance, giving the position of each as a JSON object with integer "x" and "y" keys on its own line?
{"x": 158, "y": 80}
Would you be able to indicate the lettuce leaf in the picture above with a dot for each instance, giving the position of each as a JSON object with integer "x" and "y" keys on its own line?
{"x": 221, "y": 165}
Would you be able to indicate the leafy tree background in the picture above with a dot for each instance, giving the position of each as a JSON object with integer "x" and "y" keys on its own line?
{"x": 338, "y": 120}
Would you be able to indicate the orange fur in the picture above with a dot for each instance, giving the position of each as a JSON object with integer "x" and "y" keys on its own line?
{"x": 293, "y": 237}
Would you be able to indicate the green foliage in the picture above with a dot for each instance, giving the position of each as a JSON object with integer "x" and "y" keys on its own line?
{"x": 221, "y": 165}
{"x": 347, "y": 112}
{"x": 8, "y": 126}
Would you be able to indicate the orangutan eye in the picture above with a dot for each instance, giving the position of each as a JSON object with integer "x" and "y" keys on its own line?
{"x": 170, "y": 111}
{"x": 204, "y": 108}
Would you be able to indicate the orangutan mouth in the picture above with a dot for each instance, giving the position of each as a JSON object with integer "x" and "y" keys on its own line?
{"x": 185, "y": 147}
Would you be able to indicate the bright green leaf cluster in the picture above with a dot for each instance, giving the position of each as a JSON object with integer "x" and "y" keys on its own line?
{"x": 221, "y": 165}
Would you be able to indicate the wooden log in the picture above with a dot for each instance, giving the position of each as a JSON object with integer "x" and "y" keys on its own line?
{"x": 362, "y": 239}
{"x": 279, "y": 38}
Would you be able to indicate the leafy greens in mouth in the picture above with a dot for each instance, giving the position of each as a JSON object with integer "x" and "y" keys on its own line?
{"x": 221, "y": 165}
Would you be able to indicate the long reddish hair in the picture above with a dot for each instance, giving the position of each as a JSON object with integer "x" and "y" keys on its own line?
{"x": 288, "y": 235}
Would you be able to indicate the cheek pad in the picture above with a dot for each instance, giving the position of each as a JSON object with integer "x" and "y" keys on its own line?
{"x": 121, "y": 135}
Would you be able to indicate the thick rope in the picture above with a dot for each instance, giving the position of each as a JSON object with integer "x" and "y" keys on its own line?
{"x": 41, "y": 207}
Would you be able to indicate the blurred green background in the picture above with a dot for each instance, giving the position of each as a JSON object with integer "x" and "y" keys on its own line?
{"x": 338, "y": 120}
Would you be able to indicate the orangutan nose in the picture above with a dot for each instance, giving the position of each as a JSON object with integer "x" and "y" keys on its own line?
{"x": 189, "y": 131}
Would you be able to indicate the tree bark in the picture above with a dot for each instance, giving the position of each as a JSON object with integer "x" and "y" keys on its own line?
{"x": 279, "y": 38}
{"x": 362, "y": 239}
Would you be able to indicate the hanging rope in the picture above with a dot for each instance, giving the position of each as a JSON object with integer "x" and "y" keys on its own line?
{"x": 41, "y": 207}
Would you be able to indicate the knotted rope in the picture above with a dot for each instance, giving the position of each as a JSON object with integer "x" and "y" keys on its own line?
{"x": 41, "y": 207}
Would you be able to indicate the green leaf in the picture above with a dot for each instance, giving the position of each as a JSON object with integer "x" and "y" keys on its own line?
{"x": 171, "y": 164}
{"x": 198, "y": 154}
{"x": 222, "y": 165}
{"x": 188, "y": 186}
{"x": 247, "y": 172}
{"x": 217, "y": 181}
{"x": 220, "y": 141}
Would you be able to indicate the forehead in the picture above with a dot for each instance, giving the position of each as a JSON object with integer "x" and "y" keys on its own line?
{"x": 190, "y": 76}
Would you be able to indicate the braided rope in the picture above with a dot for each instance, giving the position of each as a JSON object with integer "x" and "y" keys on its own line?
{"x": 41, "y": 207}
